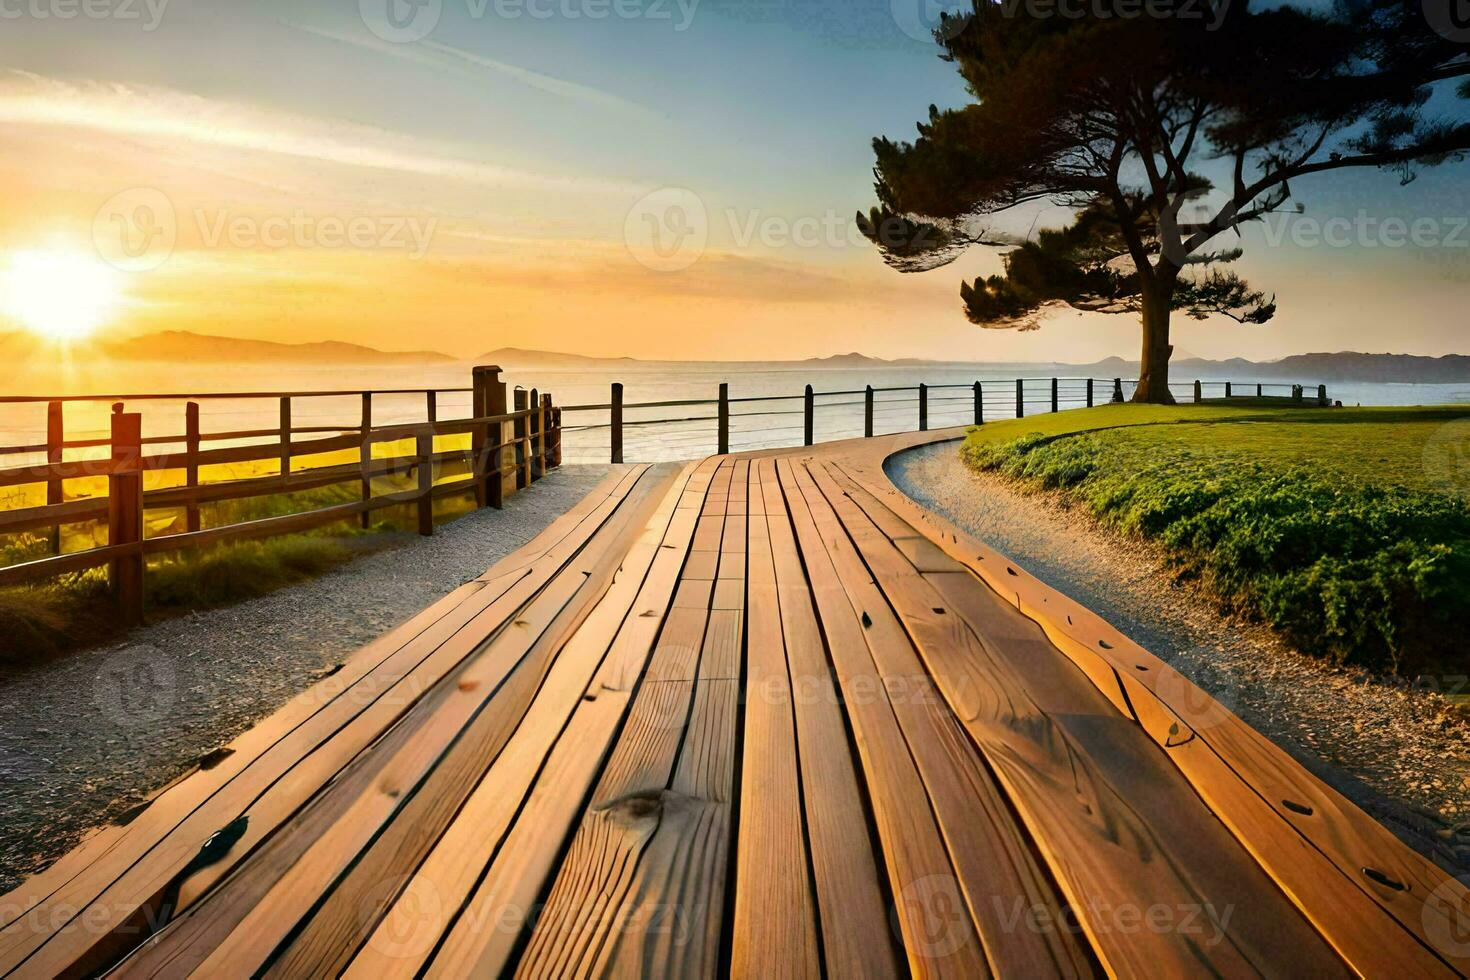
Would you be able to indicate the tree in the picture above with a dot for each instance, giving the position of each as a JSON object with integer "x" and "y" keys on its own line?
{"x": 1116, "y": 109}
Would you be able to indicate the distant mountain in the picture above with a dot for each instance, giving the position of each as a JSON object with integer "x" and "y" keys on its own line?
{"x": 1308, "y": 368}
{"x": 856, "y": 360}
{"x": 522, "y": 357}
{"x": 183, "y": 346}
{"x": 1389, "y": 368}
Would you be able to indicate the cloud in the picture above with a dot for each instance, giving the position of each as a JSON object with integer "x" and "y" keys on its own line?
{"x": 457, "y": 61}
{"x": 170, "y": 116}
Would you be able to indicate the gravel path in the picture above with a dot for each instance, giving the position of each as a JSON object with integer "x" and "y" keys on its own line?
{"x": 85, "y": 738}
{"x": 1399, "y": 751}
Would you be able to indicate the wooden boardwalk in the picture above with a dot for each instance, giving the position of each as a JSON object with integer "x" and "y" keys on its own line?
{"x": 759, "y": 715}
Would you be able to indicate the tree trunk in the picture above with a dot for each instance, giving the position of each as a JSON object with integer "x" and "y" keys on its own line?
{"x": 1153, "y": 371}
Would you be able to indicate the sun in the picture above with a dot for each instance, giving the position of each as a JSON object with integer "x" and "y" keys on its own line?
{"x": 59, "y": 293}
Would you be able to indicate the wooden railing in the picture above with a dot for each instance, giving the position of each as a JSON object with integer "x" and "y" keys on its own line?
{"x": 980, "y": 400}
{"x": 509, "y": 447}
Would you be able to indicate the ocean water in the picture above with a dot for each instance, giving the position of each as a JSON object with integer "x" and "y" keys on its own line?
{"x": 766, "y": 401}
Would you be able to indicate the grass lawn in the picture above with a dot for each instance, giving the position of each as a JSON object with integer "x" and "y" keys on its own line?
{"x": 1346, "y": 529}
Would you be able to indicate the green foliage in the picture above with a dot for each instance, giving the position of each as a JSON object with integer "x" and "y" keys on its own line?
{"x": 241, "y": 571}
{"x": 1366, "y": 572}
{"x": 74, "y": 611}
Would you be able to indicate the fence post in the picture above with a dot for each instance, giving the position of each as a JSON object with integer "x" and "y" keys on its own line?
{"x": 548, "y": 434}
{"x": 810, "y": 408}
{"x": 1054, "y": 403}
{"x": 285, "y": 438}
{"x": 1020, "y": 398}
{"x": 617, "y": 422}
{"x": 868, "y": 413}
{"x": 426, "y": 482}
{"x": 979, "y": 404}
{"x": 479, "y": 436}
{"x": 1117, "y": 391}
{"x": 125, "y": 512}
{"x": 365, "y": 456}
{"x": 723, "y": 435}
{"x": 488, "y": 463}
{"x": 1228, "y": 390}
{"x": 923, "y": 408}
{"x": 522, "y": 441}
{"x": 1089, "y": 392}
{"x": 556, "y": 429}
{"x": 1321, "y": 396}
{"x": 535, "y": 443}
{"x": 1296, "y": 394}
{"x": 191, "y": 461}
{"x": 431, "y": 406}
{"x": 1260, "y": 389}
{"x": 55, "y": 453}
{"x": 1197, "y": 391}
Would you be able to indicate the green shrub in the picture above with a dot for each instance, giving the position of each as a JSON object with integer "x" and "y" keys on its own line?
{"x": 1364, "y": 574}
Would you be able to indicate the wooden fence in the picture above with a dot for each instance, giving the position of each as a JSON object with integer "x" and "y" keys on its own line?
{"x": 510, "y": 447}
{"x": 988, "y": 399}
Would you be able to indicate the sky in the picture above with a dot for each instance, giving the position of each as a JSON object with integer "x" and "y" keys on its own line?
{"x": 652, "y": 178}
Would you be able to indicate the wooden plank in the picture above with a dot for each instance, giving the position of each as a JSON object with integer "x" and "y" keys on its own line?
{"x": 854, "y": 918}
{"x": 1096, "y": 796}
{"x": 920, "y": 874}
{"x": 483, "y": 937}
{"x": 1246, "y": 787}
{"x": 1009, "y": 895}
{"x": 642, "y": 888}
{"x": 375, "y": 687}
{"x": 775, "y": 931}
{"x": 305, "y": 911}
{"x": 409, "y": 930}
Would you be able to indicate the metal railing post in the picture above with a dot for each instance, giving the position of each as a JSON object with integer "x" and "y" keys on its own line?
{"x": 1117, "y": 391}
{"x": 1054, "y": 393}
{"x": 923, "y": 408}
{"x": 724, "y": 420}
{"x": 1198, "y": 392}
{"x": 1260, "y": 389}
{"x": 811, "y": 409}
{"x": 1322, "y": 396}
{"x": 125, "y": 512}
{"x": 868, "y": 413}
{"x": 1020, "y": 398}
{"x": 1296, "y": 394}
{"x": 617, "y": 422}
{"x": 1229, "y": 389}
{"x": 979, "y": 404}
{"x": 1089, "y": 392}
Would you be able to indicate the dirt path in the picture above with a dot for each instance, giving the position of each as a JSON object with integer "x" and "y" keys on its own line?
{"x": 85, "y": 738}
{"x": 1394, "y": 749}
